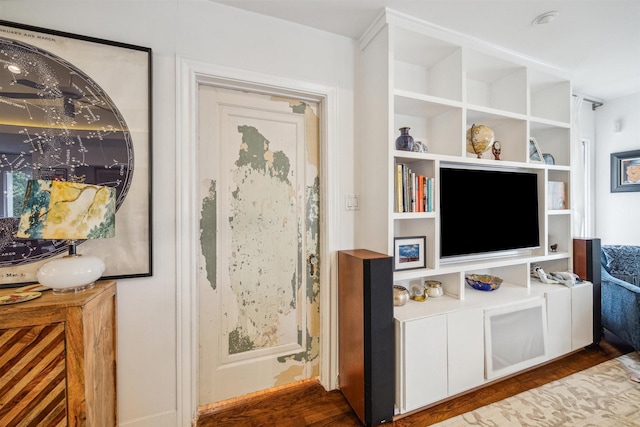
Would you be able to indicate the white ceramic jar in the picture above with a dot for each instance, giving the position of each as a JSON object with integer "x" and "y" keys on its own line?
{"x": 434, "y": 288}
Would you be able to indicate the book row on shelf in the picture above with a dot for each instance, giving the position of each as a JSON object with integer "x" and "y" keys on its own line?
{"x": 414, "y": 192}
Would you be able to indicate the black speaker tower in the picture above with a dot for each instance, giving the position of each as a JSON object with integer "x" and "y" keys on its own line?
{"x": 366, "y": 364}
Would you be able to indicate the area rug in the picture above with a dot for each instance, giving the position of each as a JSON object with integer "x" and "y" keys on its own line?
{"x": 600, "y": 396}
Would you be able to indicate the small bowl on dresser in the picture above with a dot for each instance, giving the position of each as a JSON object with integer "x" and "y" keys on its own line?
{"x": 400, "y": 295}
{"x": 483, "y": 282}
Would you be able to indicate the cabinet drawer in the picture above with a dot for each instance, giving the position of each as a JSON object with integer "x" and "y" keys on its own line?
{"x": 33, "y": 376}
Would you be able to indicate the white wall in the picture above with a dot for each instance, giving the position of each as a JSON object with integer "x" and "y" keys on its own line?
{"x": 617, "y": 214}
{"x": 587, "y": 131}
{"x": 196, "y": 29}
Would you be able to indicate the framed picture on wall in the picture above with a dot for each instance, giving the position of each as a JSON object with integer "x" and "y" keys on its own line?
{"x": 76, "y": 108}
{"x": 625, "y": 171}
{"x": 409, "y": 253}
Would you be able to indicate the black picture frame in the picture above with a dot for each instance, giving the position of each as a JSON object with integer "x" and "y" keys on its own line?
{"x": 625, "y": 171}
{"x": 409, "y": 253}
{"x": 85, "y": 75}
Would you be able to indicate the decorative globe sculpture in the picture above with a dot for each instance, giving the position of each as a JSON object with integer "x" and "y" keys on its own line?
{"x": 479, "y": 139}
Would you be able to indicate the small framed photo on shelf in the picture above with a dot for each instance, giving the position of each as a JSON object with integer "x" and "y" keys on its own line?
{"x": 625, "y": 171}
{"x": 409, "y": 253}
{"x": 535, "y": 155}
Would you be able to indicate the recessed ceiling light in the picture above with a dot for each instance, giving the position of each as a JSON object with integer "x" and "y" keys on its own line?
{"x": 14, "y": 69}
{"x": 545, "y": 18}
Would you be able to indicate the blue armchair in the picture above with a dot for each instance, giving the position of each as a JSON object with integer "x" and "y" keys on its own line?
{"x": 621, "y": 292}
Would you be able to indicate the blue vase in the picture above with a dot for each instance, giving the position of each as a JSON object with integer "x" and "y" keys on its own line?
{"x": 404, "y": 141}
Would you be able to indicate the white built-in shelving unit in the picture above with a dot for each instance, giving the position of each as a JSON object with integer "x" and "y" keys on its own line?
{"x": 439, "y": 84}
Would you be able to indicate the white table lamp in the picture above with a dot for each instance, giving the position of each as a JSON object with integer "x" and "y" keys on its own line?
{"x": 60, "y": 210}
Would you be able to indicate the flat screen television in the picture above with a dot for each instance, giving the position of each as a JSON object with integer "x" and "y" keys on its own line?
{"x": 487, "y": 211}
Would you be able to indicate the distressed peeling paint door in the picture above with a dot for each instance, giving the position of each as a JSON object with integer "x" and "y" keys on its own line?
{"x": 258, "y": 284}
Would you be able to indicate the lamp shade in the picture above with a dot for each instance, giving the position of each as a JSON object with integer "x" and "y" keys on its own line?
{"x": 64, "y": 210}
{"x": 60, "y": 210}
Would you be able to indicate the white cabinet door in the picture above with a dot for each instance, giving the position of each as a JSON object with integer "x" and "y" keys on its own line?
{"x": 582, "y": 315}
{"x": 466, "y": 350}
{"x": 515, "y": 337}
{"x": 423, "y": 373}
{"x": 558, "y": 321}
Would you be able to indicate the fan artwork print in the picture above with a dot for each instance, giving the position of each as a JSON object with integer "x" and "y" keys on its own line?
{"x": 67, "y": 113}
{"x": 67, "y": 210}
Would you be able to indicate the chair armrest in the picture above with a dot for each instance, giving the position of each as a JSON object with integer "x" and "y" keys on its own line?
{"x": 605, "y": 276}
{"x": 621, "y": 308}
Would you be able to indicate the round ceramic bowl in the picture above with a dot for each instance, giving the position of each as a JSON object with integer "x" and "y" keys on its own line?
{"x": 400, "y": 295}
{"x": 483, "y": 282}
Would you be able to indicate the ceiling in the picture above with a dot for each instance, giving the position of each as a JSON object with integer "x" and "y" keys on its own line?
{"x": 596, "y": 42}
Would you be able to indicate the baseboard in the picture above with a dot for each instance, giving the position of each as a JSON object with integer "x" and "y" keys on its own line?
{"x": 165, "y": 419}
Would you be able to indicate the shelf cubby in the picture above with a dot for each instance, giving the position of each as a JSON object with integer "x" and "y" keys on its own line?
{"x": 558, "y": 176}
{"x": 552, "y": 139}
{"x": 426, "y": 65}
{"x": 549, "y": 97}
{"x": 419, "y": 227}
{"x": 433, "y": 124}
{"x": 514, "y": 273}
{"x": 495, "y": 83}
{"x": 450, "y": 283}
{"x": 561, "y": 264}
{"x": 511, "y": 132}
{"x": 416, "y": 162}
{"x": 559, "y": 232}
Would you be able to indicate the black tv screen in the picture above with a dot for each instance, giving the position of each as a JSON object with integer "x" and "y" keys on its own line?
{"x": 487, "y": 211}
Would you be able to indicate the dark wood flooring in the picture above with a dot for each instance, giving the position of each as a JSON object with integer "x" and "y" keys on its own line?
{"x": 308, "y": 404}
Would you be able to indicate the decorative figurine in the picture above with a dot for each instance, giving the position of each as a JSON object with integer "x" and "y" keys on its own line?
{"x": 496, "y": 149}
{"x": 420, "y": 147}
{"x": 554, "y": 247}
{"x": 417, "y": 291}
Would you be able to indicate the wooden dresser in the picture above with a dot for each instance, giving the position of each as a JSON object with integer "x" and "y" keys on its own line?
{"x": 58, "y": 359}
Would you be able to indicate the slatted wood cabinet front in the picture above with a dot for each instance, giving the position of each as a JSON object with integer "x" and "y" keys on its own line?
{"x": 58, "y": 360}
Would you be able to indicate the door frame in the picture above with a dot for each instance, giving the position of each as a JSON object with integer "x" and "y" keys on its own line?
{"x": 191, "y": 74}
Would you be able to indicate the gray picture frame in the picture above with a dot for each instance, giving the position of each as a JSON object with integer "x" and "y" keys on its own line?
{"x": 535, "y": 154}
{"x": 622, "y": 163}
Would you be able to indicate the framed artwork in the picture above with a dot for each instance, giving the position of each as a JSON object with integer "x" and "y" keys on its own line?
{"x": 409, "y": 253}
{"x": 74, "y": 108}
{"x": 625, "y": 171}
{"x": 535, "y": 155}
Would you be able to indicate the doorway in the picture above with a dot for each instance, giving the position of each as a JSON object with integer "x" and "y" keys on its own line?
{"x": 189, "y": 207}
{"x": 258, "y": 276}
